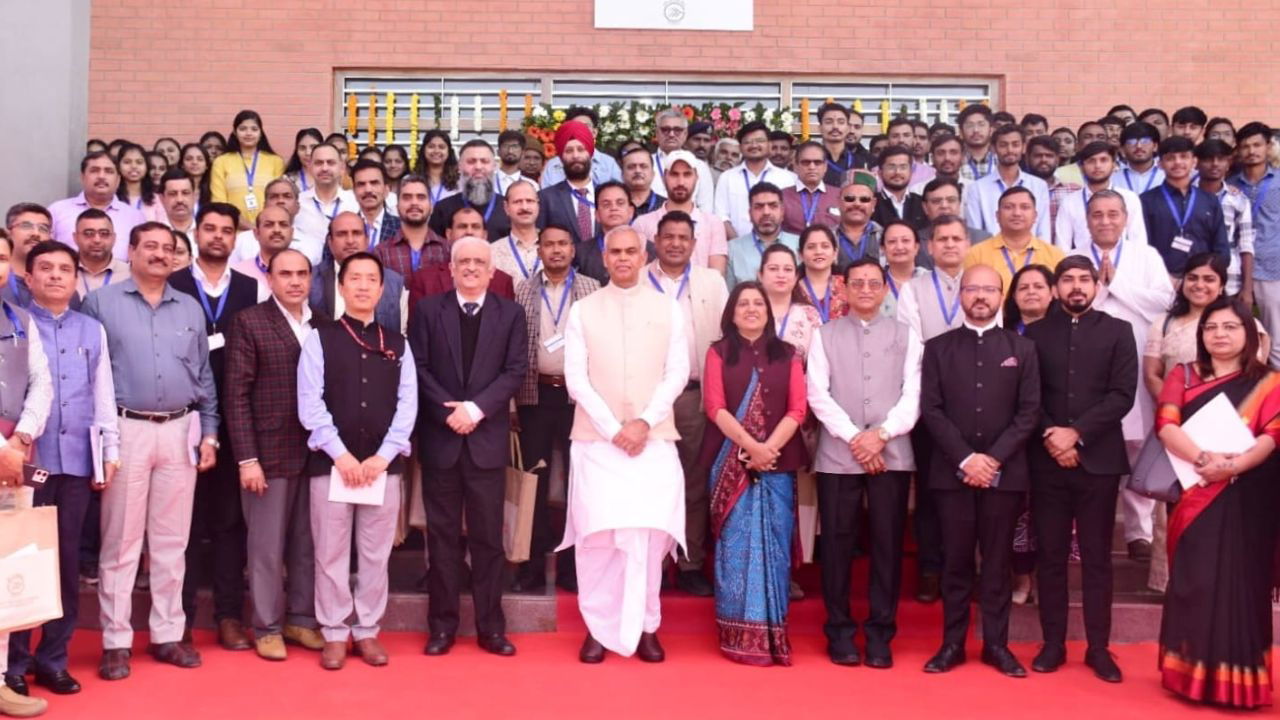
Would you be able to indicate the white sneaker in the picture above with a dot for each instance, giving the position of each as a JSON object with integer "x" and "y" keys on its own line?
{"x": 14, "y": 705}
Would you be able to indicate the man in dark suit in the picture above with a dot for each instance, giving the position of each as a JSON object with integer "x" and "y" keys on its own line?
{"x": 369, "y": 183}
{"x": 433, "y": 278}
{"x": 1088, "y": 376}
{"x": 270, "y": 447}
{"x": 476, "y": 189}
{"x": 980, "y": 396}
{"x": 346, "y": 238}
{"x": 611, "y": 212}
{"x": 217, "y": 517}
{"x": 572, "y": 202}
{"x": 895, "y": 201}
{"x": 471, "y": 350}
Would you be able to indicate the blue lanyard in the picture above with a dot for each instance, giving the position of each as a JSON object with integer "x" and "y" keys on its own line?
{"x": 847, "y": 157}
{"x": 337, "y": 203}
{"x": 488, "y": 210}
{"x": 684, "y": 282}
{"x": 1173, "y": 208}
{"x": 810, "y": 208}
{"x": 257, "y": 260}
{"x": 747, "y": 178}
{"x": 824, "y": 306}
{"x": 437, "y": 193}
{"x": 1003, "y": 187}
{"x": 947, "y": 317}
{"x": 782, "y": 329}
{"x": 415, "y": 258}
{"x": 371, "y": 232}
{"x": 564, "y": 298}
{"x": 18, "y": 332}
{"x": 213, "y": 315}
{"x": 1258, "y": 197}
{"x": 893, "y": 286}
{"x": 537, "y": 262}
{"x": 1008, "y": 260}
{"x": 658, "y": 159}
{"x": 1150, "y": 179}
{"x": 1097, "y": 259}
{"x": 651, "y": 204}
{"x": 250, "y": 172}
{"x": 848, "y": 246}
{"x": 302, "y": 178}
{"x": 756, "y": 239}
{"x": 600, "y": 242}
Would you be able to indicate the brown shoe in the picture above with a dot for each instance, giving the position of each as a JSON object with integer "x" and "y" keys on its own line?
{"x": 927, "y": 589}
{"x": 309, "y": 638}
{"x": 114, "y": 664}
{"x": 649, "y": 649}
{"x": 371, "y": 651}
{"x": 334, "y": 655}
{"x": 270, "y": 647}
{"x": 231, "y": 635}
{"x": 592, "y": 651}
{"x": 14, "y": 705}
{"x": 179, "y": 654}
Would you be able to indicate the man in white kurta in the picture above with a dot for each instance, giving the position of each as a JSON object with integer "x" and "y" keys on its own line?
{"x": 626, "y": 361}
{"x": 1133, "y": 285}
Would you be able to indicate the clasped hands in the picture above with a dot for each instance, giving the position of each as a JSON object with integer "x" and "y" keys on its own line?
{"x": 460, "y": 421}
{"x": 1061, "y": 444}
{"x": 632, "y": 437}
{"x": 359, "y": 474}
{"x": 980, "y": 470}
{"x": 1218, "y": 467}
{"x": 867, "y": 447}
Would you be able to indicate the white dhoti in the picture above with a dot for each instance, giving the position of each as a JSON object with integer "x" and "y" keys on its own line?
{"x": 625, "y": 515}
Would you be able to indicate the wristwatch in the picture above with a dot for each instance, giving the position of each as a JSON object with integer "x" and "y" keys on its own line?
{"x": 882, "y": 434}
{"x": 212, "y": 442}
{"x": 114, "y": 463}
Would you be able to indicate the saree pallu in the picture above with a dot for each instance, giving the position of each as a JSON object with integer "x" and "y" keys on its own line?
{"x": 1215, "y": 634}
{"x": 753, "y": 518}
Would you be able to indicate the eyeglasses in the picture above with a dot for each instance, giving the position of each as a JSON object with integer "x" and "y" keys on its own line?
{"x": 90, "y": 233}
{"x": 868, "y": 284}
{"x": 1139, "y": 142}
{"x": 811, "y": 163}
{"x": 975, "y": 289}
{"x": 1230, "y": 327}
{"x": 864, "y": 199}
{"x": 756, "y": 141}
{"x": 670, "y": 129}
{"x": 28, "y": 226}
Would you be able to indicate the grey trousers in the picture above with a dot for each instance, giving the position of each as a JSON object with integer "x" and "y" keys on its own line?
{"x": 691, "y": 422}
{"x": 279, "y": 542}
{"x": 375, "y": 532}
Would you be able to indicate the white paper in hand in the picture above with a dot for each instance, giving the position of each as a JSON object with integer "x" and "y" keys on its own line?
{"x": 1215, "y": 427}
{"x": 372, "y": 494}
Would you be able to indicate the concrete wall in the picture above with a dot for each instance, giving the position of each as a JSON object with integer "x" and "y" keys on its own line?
{"x": 44, "y": 83}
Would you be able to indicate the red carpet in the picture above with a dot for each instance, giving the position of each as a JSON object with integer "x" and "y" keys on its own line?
{"x": 545, "y": 681}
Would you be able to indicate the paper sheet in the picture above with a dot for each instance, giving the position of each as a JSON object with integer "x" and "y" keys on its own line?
{"x": 371, "y": 494}
{"x": 1216, "y": 427}
{"x": 95, "y": 448}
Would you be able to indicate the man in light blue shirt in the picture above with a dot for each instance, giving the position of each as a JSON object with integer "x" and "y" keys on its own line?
{"x": 745, "y": 251}
{"x": 1259, "y": 182}
{"x": 603, "y": 167}
{"x": 983, "y": 197}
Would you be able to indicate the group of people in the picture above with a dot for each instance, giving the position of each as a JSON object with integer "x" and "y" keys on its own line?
{"x": 271, "y": 354}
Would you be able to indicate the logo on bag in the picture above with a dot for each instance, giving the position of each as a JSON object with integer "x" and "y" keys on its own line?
{"x": 16, "y": 584}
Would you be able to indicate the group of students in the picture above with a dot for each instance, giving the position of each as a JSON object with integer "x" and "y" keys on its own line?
{"x": 926, "y": 312}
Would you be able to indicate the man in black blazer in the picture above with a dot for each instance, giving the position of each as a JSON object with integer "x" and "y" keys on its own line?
{"x": 476, "y": 189}
{"x": 471, "y": 349}
{"x": 1088, "y": 376}
{"x": 980, "y": 397}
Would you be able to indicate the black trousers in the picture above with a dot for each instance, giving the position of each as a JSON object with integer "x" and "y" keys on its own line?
{"x": 543, "y": 428}
{"x": 70, "y": 493}
{"x": 925, "y": 522}
{"x": 1060, "y": 497}
{"x": 217, "y": 517}
{"x": 91, "y": 536}
{"x": 984, "y": 519}
{"x": 839, "y": 502}
{"x": 446, "y": 493}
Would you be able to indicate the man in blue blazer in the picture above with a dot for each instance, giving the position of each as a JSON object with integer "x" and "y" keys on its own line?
{"x": 471, "y": 348}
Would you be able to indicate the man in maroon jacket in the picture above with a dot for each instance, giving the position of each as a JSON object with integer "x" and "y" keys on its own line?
{"x": 433, "y": 278}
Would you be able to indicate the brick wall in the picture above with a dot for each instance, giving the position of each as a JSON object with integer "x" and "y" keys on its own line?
{"x": 159, "y": 67}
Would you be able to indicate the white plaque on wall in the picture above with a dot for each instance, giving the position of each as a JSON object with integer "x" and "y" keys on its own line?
{"x": 675, "y": 14}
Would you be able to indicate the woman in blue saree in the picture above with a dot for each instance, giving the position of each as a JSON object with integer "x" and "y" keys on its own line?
{"x": 754, "y": 394}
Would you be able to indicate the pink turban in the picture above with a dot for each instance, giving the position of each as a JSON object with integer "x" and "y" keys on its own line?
{"x": 574, "y": 130}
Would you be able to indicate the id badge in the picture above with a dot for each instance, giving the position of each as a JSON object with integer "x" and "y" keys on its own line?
{"x": 217, "y": 341}
{"x": 1182, "y": 244}
{"x": 250, "y": 200}
{"x": 553, "y": 344}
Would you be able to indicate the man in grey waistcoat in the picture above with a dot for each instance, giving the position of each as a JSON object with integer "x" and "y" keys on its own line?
{"x": 864, "y": 387}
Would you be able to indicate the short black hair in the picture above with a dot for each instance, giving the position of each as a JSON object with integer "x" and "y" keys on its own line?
{"x": 894, "y": 151}
{"x": 1009, "y": 129}
{"x": 611, "y": 184}
{"x": 175, "y": 174}
{"x": 555, "y": 226}
{"x": 677, "y": 216}
{"x": 1015, "y": 190}
{"x": 943, "y": 139}
{"x": 941, "y": 127}
{"x": 416, "y": 178}
{"x": 1045, "y": 141}
{"x": 1213, "y": 148}
{"x": 1074, "y": 262}
{"x": 973, "y": 109}
{"x": 1176, "y": 144}
{"x": 782, "y": 135}
{"x": 1137, "y": 130}
{"x": 763, "y": 188}
{"x": 1250, "y": 129}
{"x": 1154, "y": 111}
{"x": 362, "y": 255}
{"x": 937, "y": 184}
{"x": 751, "y": 127}
{"x": 1113, "y": 120}
{"x": 48, "y": 247}
{"x": 1003, "y": 117}
{"x": 1097, "y": 147}
{"x": 578, "y": 111}
{"x": 1220, "y": 121}
{"x": 366, "y": 164}
{"x": 26, "y": 207}
{"x": 1085, "y": 124}
{"x": 90, "y": 157}
{"x": 1115, "y": 108}
{"x": 829, "y": 107}
{"x": 223, "y": 209}
{"x": 136, "y": 233}
{"x": 899, "y": 120}
{"x": 1190, "y": 115}
{"x": 1034, "y": 119}
{"x": 865, "y": 262}
{"x": 515, "y": 136}
{"x": 94, "y": 214}
{"x": 271, "y": 264}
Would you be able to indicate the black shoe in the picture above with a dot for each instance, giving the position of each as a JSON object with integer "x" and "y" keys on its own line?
{"x": 1050, "y": 658}
{"x": 439, "y": 644}
{"x": 1001, "y": 659}
{"x": 1140, "y": 551}
{"x": 567, "y": 582}
{"x": 114, "y": 664}
{"x": 1104, "y": 666}
{"x": 878, "y": 658}
{"x": 529, "y": 583}
{"x": 948, "y": 657}
{"x": 927, "y": 588}
{"x": 695, "y": 583}
{"x": 178, "y": 654}
{"x": 496, "y": 643}
{"x": 649, "y": 649}
{"x": 59, "y": 683}
{"x": 17, "y": 683}
{"x": 592, "y": 651}
{"x": 843, "y": 652}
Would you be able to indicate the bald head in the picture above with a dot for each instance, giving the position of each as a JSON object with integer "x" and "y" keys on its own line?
{"x": 623, "y": 256}
{"x": 981, "y": 291}
{"x": 346, "y": 236}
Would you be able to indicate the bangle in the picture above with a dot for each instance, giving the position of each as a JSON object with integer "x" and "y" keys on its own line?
{"x": 1202, "y": 459}
{"x": 247, "y": 463}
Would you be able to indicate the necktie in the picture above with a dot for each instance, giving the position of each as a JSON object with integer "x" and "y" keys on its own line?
{"x": 584, "y": 216}
{"x": 470, "y": 308}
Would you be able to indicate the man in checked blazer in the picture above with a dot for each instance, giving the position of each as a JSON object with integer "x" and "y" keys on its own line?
{"x": 270, "y": 447}
{"x": 543, "y": 403}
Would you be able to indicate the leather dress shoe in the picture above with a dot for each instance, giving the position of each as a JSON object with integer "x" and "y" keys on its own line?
{"x": 59, "y": 682}
{"x": 878, "y": 658}
{"x": 309, "y": 638}
{"x": 334, "y": 655}
{"x": 372, "y": 652}
{"x": 592, "y": 651}
{"x": 927, "y": 589}
{"x": 1001, "y": 659}
{"x": 1139, "y": 550}
{"x": 649, "y": 649}
{"x": 231, "y": 635}
{"x": 17, "y": 683}
{"x": 439, "y": 644}
{"x": 496, "y": 643}
{"x": 270, "y": 646}
{"x": 695, "y": 583}
{"x": 1104, "y": 666}
{"x": 178, "y": 654}
{"x": 1050, "y": 658}
{"x": 114, "y": 664}
{"x": 843, "y": 652}
{"x": 948, "y": 657}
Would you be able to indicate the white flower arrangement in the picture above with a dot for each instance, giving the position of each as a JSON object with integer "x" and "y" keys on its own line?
{"x": 477, "y": 114}
{"x": 455, "y": 118}
{"x": 604, "y": 111}
{"x": 539, "y": 111}
{"x": 642, "y": 117}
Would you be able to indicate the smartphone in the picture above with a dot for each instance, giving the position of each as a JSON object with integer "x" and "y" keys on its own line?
{"x": 33, "y": 476}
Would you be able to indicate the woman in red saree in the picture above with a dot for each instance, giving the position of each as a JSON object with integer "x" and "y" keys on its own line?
{"x": 1215, "y": 636}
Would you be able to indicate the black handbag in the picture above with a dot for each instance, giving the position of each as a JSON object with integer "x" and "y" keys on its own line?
{"x": 1153, "y": 475}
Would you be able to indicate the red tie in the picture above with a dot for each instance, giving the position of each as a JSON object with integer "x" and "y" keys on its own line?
{"x": 584, "y": 216}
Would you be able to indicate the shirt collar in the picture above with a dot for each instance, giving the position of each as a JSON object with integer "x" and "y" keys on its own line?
{"x": 821, "y": 189}
{"x": 167, "y": 292}
{"x": 478, "y": 301}
{"x": 41, "y": 311}
{"x": 223, "y": 280}
{"x": 982, "y": 330}
{"x": 306, "y": 312}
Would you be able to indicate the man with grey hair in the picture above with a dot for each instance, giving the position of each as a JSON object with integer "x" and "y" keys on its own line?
{"x": 471, "y": 347}
{"x": 476, "y": 189}
{"x": 626, "y": 361}
{"x": 673, "y": 131}
{"x": 281, "y": 192}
